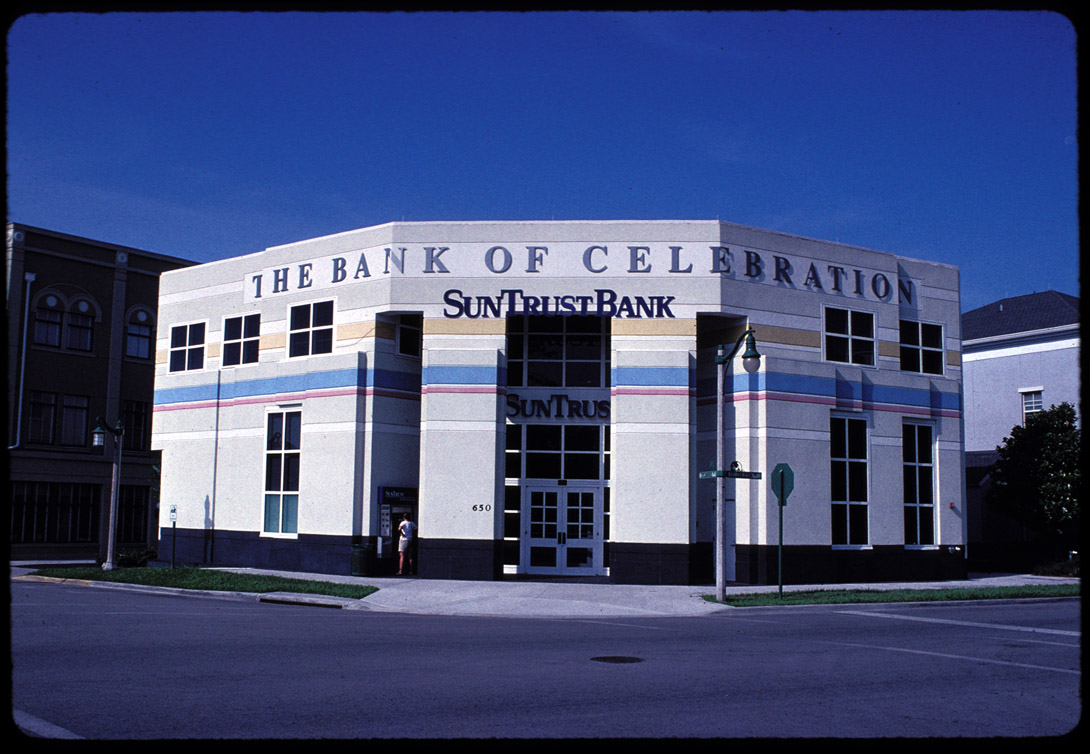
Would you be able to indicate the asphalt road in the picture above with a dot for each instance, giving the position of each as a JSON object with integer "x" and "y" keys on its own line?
{"x": 107, "y": 664}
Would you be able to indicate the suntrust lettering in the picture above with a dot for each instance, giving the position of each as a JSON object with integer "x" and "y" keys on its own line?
{"x": 604, "y": 303}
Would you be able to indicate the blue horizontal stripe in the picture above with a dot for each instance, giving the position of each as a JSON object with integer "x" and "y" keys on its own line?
{"x": 830, "y": 387}
{"x": 651, "y": 376}
{"x": 464, "y": 375}
{"x": 292, "y": 383}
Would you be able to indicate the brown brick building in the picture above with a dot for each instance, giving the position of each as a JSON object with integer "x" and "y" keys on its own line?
{"x": 81, "y": 324}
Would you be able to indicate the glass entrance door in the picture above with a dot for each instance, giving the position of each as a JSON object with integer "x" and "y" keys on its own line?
{"x": 562, "y": 530}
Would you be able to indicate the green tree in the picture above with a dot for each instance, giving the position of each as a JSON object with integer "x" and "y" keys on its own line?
{"x": 1037, "y": 478}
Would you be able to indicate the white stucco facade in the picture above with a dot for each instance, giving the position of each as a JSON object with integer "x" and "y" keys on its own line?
{"x": 541, "y": 397}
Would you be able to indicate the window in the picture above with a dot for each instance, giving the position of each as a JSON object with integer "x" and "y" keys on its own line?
{"x": 187, "y": 347}
{"x": 81, "y": 328}
{"x": 134, "y": 420}
{"x": 54, "y": 512}
{"x": 558, "y": 351}
{"x": 921, "y": 347}
{"x": 848, "y": 475}
{"x": 138, "y": 335}
{"x": 311, "y": 329}
{"x": 47, "y": 326}
{"x": 410, "y": 335}
{"x": 849, "y": 336}
{"x": 1032, "y": 403}
{"x": 74, "y": 411}
{"x": 553, "y": 451}
{"x": 240, "y": 339}
{"x": 282, "y": 442}
{"x": 919, "y": 467}
{"x": 42, "y": 419}
{"x": 132, "y": 514}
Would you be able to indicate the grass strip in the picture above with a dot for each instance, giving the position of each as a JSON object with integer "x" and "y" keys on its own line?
{"x": 849, "y": 596}
{"x": 210, "y": 580}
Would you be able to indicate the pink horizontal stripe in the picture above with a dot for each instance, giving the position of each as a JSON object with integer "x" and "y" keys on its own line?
{"x": 487, "y": 389}
{"x": 651, "y": 391}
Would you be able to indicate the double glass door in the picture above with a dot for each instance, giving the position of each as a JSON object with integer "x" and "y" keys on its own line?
{"x": 562, "y": 529}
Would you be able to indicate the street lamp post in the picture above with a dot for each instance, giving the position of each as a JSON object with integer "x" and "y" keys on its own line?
{"x": 751, "y": 360}
{"x": 98, "y": 439}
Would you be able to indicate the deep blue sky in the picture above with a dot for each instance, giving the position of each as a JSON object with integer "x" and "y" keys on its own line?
{"x": 944, "y": 136}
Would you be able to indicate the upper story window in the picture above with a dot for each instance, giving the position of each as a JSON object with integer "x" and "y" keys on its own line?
{"x": 921, "y": 347}
{"x": 240, "y": 339}
{"x": 60, "y": 323}
{"x": 139, "y": 335}
{"x": 187, "y": 347}
{"x": 47, "y": 323}
{"x": 43, "y": 416}
{"x": 558, "y": 351}
{"x": 311, "y": 329}
{"x": 849, "y": 336}
{"x": 74, "y": 420}
{"x": 134, "y": 417}
{"x": 81, "y": 330}
{"x": 1032, "y": 403}
{"x": 410, "y": 328}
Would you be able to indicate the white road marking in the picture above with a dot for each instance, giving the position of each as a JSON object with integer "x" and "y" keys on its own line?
{"x": 37, "y": 727}
{"x": 1000, "y": 626}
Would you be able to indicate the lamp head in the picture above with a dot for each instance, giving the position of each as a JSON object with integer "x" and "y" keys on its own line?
{"x": 751, "y": 360}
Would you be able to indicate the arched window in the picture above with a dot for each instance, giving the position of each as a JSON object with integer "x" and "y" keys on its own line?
{"x": 139, "y": 334}
{"x": 80, "y": 334}
{"x": 48, "y": 320}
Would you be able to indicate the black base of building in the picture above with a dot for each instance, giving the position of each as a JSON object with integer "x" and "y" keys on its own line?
{"x": 638, "y": 563}
{"x": 758, "y": 564}
{"x": 629, "y": 563}
{"x": 310, "y": 553}
{"x": 461, "y": 559}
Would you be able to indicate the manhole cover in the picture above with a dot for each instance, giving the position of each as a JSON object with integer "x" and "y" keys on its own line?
{"x": 617, "y": 659}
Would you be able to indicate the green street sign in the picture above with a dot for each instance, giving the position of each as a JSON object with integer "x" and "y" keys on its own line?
{"x": 710, "y": 474}
{"x": 783, "y": 481}
{"x": 732, "y": 474}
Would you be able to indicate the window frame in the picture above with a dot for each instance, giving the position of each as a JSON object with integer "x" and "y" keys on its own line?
{"x": 247, "y": 342}
{"x": 1033, "y": 402}
{"x": 47, "y": 332}
{"x": 287, "y": 474}
{"x": 851, "y": 339}
{"x": 144, "y": 342}
{"x": 75, "y": 418}
{"x": 918, "y": 350}
{"x": 79, "y": 331}
{"x": 310, "y": 331}
{"x": 135, "y": 418}
{"x": 524, "y": 365}
{"x": 521, "y": 451}
{"x": 187, "y": 349}
{"x": 36, "y": 418}
{"x": 847, "y": 539}
{"x": 917, "y": 469}
{"x": 410, "y": 330}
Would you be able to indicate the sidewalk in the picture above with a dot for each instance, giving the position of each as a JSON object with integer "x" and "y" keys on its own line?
{"x": 546, "y": 599}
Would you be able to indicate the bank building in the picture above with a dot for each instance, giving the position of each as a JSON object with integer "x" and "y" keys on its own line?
{"x": 541, "y": 398}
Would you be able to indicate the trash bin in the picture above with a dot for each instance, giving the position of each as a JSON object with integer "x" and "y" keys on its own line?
{"x": 362, "y": 556}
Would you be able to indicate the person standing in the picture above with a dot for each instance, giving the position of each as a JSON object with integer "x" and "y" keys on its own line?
{"x": 406, "y": 544}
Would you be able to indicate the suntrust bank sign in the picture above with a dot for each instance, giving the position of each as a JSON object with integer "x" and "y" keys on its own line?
{"x": 572, "y": 261}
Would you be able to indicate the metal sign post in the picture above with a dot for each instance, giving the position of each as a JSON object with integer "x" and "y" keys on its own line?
{"x": 173, "y": 532}
{"x": 783, "y": 481}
